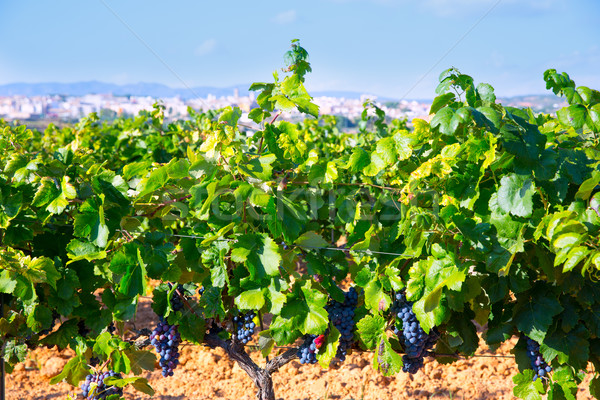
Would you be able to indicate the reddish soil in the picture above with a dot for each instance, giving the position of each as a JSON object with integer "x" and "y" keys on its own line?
{"x": 209, "y": 374}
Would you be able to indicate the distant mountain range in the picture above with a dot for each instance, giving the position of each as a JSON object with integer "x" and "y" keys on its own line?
{"x": 158, "y": 90}
{"x": 95, "y": 87}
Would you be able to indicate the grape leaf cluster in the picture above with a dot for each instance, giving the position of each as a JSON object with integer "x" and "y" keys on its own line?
{"x": 101, "y": 391}
{"x": 342, "y": 317}
{"x": 165, "y": 338}
{"x": 414, "y": 339}
{"x": 538, "y": 364}
{"x": 244, "y": 326}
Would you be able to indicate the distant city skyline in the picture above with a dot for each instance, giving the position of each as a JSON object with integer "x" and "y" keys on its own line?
{"x": 391, "y": 48}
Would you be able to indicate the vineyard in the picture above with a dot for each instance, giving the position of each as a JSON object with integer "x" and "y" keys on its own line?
{"x": 405, "y": 240}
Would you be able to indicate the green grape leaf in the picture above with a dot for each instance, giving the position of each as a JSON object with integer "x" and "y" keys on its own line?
{"x": 358, "y": 160}
{"x": 563, "y": 385}
{"x": 443, "y": 121}
{"x": 328, "y": 349}
{"x": 266, "y": 343}
{"x": 515, "y": 195}
{"x": 156, "y": 180}
{"x": 370, "y": 328}
{"x": 141, "y": 360}
{"x": 486, "y": 92}
{"x": 573, "y": 116}
{"x": 376, "y": 299}
{"x": 311, "y": 239}
{"x": 260, "y": 254}
{"x": 7, "y": 282}
{"x": 441, "y": 101}
{"x": 385, "y": 359}
{"x": 251, "y": 300}
{"x": 535, "y": 317}
{"x": 525, "y": 388}
{"x": 178, "y": 168}
{"x": 77, "y": 250}
{"x": 74, "y": 371}
{"x": 90, "y": 223}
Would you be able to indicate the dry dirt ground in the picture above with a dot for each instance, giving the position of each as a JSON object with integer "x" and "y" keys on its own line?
{"x": 209, "y": 374}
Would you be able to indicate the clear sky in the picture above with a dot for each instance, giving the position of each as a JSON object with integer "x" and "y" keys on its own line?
{"x": 392, "y": 48}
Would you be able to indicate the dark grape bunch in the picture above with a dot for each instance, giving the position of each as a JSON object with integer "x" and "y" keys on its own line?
{"x": 538, "y": 364}
{"x": 201, "y": 290}
{"x": 101, "y": 391}
{"x": 244, "y": 326}
{"x": 307, "y": 352}
{"x": 165, "y": 339}
{"x": 416, "y": 342}
{"x": 176, "y": 300}
{"x": 342, "y": 317}
{"x": 82, "y": 329}
{"x": 55, "y": 316}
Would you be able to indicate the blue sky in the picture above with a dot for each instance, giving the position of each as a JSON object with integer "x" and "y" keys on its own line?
{"x": 392, "y": 48}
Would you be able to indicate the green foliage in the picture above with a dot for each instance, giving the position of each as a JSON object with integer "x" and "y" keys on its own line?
{"x": 487, "y": 213}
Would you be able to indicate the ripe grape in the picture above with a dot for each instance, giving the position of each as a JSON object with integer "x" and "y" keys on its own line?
{"x": 244, "y": 325}
{"x": 165, "y": 339}
{"x": 416, "y": 342}
{"x": 176, "y": 300}
{"x": 538, "y": 364}
{"x": 307, "y": 352}
{"x": 342, "y": 317}
{"x": 101, "y": 391}
{"x": 201, "y": 290}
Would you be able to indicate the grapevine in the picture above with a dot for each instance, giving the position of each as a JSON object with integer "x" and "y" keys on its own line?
{"x": 485, "y": 216}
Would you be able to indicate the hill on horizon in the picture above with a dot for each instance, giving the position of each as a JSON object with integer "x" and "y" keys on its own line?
{"x": 158, "y": 90}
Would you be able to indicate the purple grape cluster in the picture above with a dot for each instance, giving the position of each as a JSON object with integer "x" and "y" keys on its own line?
{"x": 165, "y": 339}
{"x": 176, "y": 300}
{"x": 244, "y": 326}
{"x": 201, "y": 290}
{"x": 101, "y": 391}
{"x": 342, "y": 317}
{"x": 307, "y": 352}
{"x": 538, "y": 364}
{"x": 414, "y": 339}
